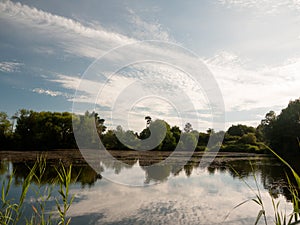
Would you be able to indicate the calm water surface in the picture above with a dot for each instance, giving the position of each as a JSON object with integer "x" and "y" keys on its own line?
{"x": 163, "y": 193}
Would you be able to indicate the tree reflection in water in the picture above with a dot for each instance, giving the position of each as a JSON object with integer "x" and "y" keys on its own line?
{"x": 271, "y": 172}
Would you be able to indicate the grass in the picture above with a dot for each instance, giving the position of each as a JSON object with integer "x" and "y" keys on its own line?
{"x": 258, "y": 199}
{"x": 64, "y": 177}
{"x": 293, "y": 218}
{"x": 12, "y": 209}
{"x": 11, "y": 212}
{"x": 280, "y": 217}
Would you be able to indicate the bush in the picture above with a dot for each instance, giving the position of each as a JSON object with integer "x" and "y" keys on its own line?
{"x": 248, "y": 139}
{"x": 247, "y": 148}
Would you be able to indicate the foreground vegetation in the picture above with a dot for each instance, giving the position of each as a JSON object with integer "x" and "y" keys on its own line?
{"x": 11, "y": 211}
{"x": 281, "y": 217}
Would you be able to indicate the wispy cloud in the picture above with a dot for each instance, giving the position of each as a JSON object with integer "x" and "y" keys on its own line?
{"x": 268, "y": 6}
{"x": 145, "y": 30}
{"x": 10, "y": 67}
{"x": 149, "y": 88}
{"x": 71, "y": 35}
{"x": 74, "y": 37}
{"x": 50, "y": 92}
{"x": 246, "y": 89}
{"x": 243, "y": 89}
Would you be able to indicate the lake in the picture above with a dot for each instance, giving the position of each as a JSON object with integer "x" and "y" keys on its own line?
{"x": 140, "y": 188}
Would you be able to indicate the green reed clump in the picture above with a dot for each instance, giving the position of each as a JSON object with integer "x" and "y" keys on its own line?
{"x": 64, "y": 177}
{"x": 294, "y": 217}
{"x": 280, "y": 217}
{"x": 258, "y": 198}
{"x": 11, "y": 210}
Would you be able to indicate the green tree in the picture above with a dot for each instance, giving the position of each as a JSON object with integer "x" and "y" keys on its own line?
{"x": 44, "y": 130}
{"x": 176, "y": 133}
{"x": 282, "y": 132}
{"x": 188, "y": 128}
{"x": 169, "y": 142}
{"x": 249, "y": 138}
{"x": 188, "y": 141}
{"x": 111, "y": 141}
{"x": 85, "y": 125}
{"x": 99, "y": 123}
{"x": 203, "y": 139}
{"x": 148, "y": 120}
{"x": 159, "y": 134}
{"x": 5, "y": 130}
{"x": 240, "y": 130}
{"x": 5, "y": 124}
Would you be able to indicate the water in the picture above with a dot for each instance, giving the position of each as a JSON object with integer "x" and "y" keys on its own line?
{"x": 139, "y": 191}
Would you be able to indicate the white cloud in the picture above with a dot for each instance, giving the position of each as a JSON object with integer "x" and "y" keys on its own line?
{"x": 148, "y": 88}
{"x": 67, "y": 81}
{"x": 147, "y": 31}
{"x": 10, "y": 67}
{"x": 44, "y": 50}
{"x": 71, "y": 35}
{"x": 246, "y": 89}
{"x": 243, "y": 89}
{"x": 49, "y": 92}
{"x": 268, "y": 6}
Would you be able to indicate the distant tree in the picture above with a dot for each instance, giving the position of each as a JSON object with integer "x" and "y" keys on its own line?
{"x": 24, "y": 129}
{"x": 269, "y": 118}
{"x": 240, "y": 130}
{"x": 5, "y": 124}
{"x": 85, "y": 125}
{"x": 99, "y": 124}
{"x": 188, "y": 141}
{"x": 176, "y": 132}
{"x": 249, "y": 138}
{"x": 203, "y": 139}
{"x": 188, "y": 128}
{"x": 169, "y": 142}
{"x": 44, "y": 130}
{"x": 162, "y": 136}
{"x": 5, "y": 130}
{"x": 210, "y": 131}
{"x": 160, "y": 130}
{"x": 148, "y": 120}
{"x": 127, "y": 139}
{"x": 145, "y": 134}
{"x": 111, "y": 142}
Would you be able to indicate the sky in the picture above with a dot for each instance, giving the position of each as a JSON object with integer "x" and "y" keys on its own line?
{"x": 60, "y": 55}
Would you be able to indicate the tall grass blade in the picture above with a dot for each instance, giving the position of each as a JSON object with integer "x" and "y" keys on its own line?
{"x": 260, "y": 213}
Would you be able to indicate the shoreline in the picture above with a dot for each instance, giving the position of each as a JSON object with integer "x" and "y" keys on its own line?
{"x": 75, "y": 154}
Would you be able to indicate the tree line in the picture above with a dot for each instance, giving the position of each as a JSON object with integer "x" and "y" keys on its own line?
{"x": 29, "y": 129}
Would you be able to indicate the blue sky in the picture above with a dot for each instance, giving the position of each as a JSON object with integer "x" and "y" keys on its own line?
{"x": 251, "y": 47}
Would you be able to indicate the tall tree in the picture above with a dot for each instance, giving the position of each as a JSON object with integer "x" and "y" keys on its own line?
{"x": 188, "y": 128}
{"x": 5, "y": 124}
{"x": 5, "y": 130}
{"x": 148, "y": 120}
{"x": 283, "y": 131}
{"x": 240, "y": 130}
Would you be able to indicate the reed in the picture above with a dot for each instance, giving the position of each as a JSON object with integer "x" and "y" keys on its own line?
{"x": 280, "y": 217}
{"x": 11, "y": 210}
